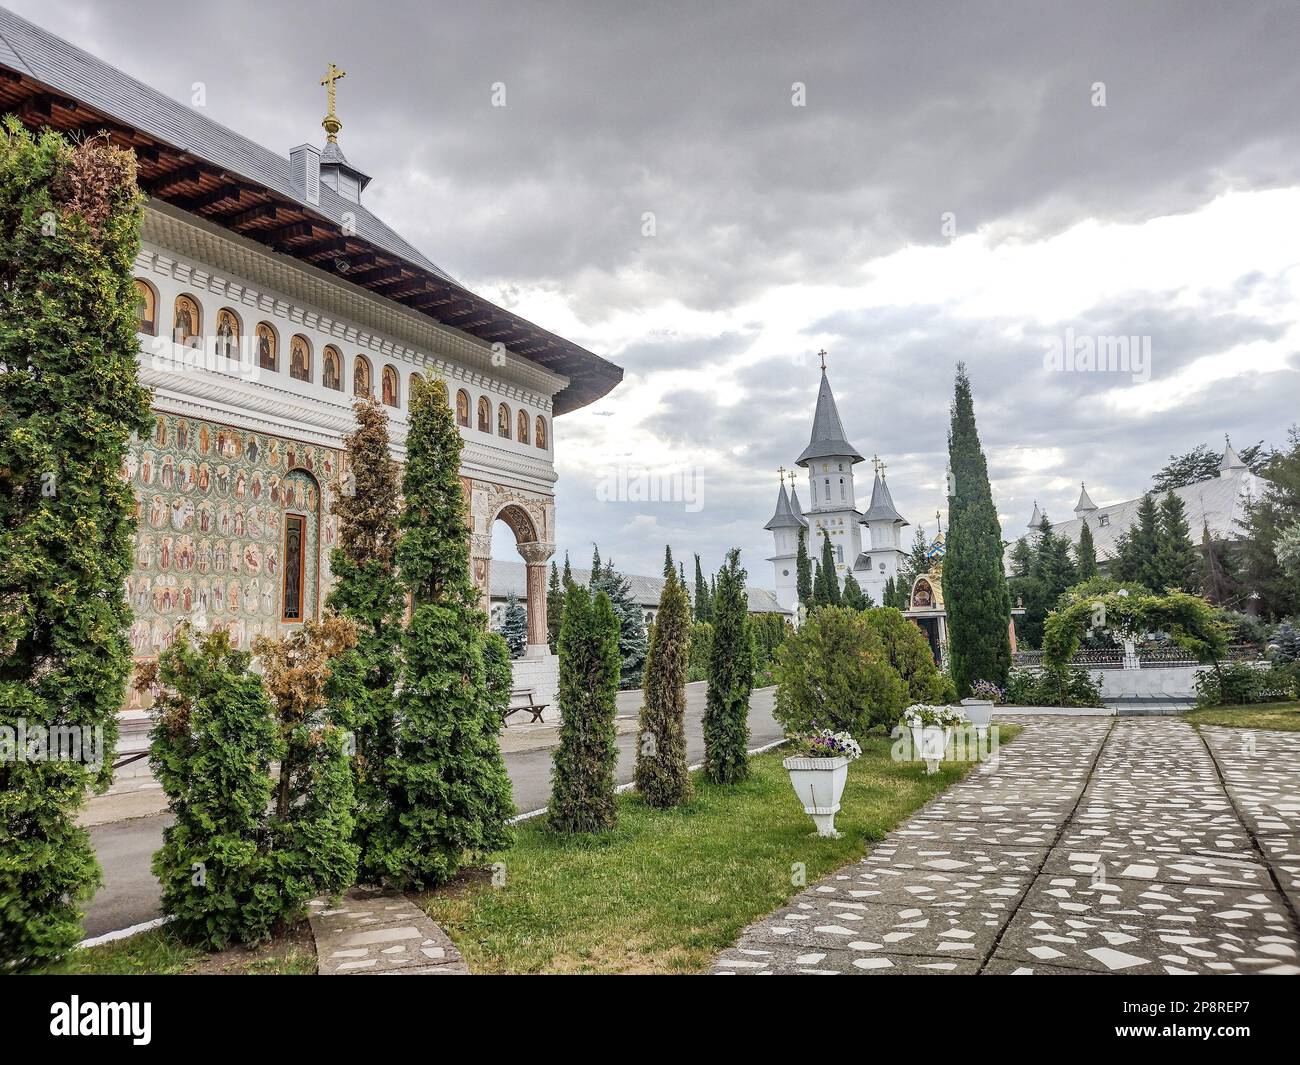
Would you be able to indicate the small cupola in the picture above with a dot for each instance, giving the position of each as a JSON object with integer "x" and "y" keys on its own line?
{"x": 335, "y": 170}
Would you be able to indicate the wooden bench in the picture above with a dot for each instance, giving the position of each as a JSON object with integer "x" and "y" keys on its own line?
{"x": 524, "y": 699}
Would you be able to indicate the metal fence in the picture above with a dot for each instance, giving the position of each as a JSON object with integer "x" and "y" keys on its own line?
{"x": 1148, "y": 657}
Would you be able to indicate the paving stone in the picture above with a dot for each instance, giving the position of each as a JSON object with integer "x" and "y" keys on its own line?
{"x": 374, "y": 934}
{"x": 1065, "y": 856}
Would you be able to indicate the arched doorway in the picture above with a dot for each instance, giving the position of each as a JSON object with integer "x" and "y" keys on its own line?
{"x": 515, "y": 531}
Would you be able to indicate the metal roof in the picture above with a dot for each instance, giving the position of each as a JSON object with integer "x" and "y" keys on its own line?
{"x": 882, "y": 505}
{"x": 201, "y": 166}
{"x": 828, "y": 439}
{"x": 508, "y": 577}
{"x": 785, "y": 517}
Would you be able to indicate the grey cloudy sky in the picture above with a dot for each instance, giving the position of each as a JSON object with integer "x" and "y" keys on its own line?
{"x": 1172, "y": 212}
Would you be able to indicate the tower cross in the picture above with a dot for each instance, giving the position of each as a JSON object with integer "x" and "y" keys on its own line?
{"x": 331, "y": 121}
{"x": 780, "y": 472}
{"x": 875, "y": 463}
{"x": 882, "y": 470}
{"x": 822, "y": 355}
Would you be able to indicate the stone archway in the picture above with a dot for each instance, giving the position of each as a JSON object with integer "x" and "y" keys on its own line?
{"x": 530, "y": 519}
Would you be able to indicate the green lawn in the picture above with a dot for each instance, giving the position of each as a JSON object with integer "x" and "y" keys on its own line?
{"x": 1284, "y": 716}
{"x": 159, "y": 952}
{"x": 667, "y": 890}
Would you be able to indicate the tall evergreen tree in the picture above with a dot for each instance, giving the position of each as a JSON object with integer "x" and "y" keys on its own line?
{"x": 632, "y": 639}
{"x": 890, "y": 594}
{"x": 70, "y": 399}
{"x": 554, "y": 609}
{"x": 366, "y": 590}
{"x": 1220, "y": 574}
{"x": 1135, "y": 549}
{"x": 803, "y": 570}
{"x": 917, "y": 560}
{"x": 514, "y": 626}
{"x": 566, "y": 578}
{"x": 1086, "y": 553}
{"x": 1051, "y": 572}
{"x": 1269, "y": 520}
{"x": 853, "y": 596}
{"x": 669, "y": 569}
{"x": 452, "y": 793}
{"x": 974, "y": 582}
{"x": 582, "y": 776}
{"x": 703, "y": 608}
{"x": 662, "y": 776}
{"x": 731, "y": 678}
{"x": 820, "y": 595}
{"x": 1177, "y": 560}
{"x": 829, "y": 573}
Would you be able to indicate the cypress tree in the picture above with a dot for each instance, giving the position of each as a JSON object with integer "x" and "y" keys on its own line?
{"x": 451, "y": 793}
{"x": 1177, "y": 561}
{"x": 703, "y": 608}
{"x": 974, "y": 582}
{"x": 582, "y": 776}
{"x": 669, "y": 569}
{"x": 803, "y": 570}
{"x": 829, "y": 573}
{"x": 554, "y": 609}
{"x": 1221, "y": 579}
{"x": 661, "y": 772}
{"x": 567, "y": 578}
{"x": 890, "y": 594}
{"x": 731, "y": 678}
{"x": 820, "y": 596}
{"x": 367, "y": 591}
{"x": 1086, "y": 552}
{"x": 853, "y": 597}
{"x": 70, "y": 400}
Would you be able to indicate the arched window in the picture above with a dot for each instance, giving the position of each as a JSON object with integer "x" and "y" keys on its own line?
{"x": 462, "y": 408}
{"x": 268, "y": 347}
{"x": 227, "y": 334}
{"x": 187, "y": 321}
{"x": 484, "y": 415}
{"x": 521, "y": 427}
{"x": 390, "y": 386}
{"x": 147, "y": 309}
{"x": 503, "y": 421}
{"x": 332, "y": 375}
{"x": 540, "y": 436}
{"x": 361, "y": 376}
{"x": 300, "y": 358}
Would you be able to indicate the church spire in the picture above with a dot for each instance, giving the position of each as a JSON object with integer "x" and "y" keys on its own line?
{"x": 1037, "y": 519}
{"x": 795, "y": 506}
{"x": 882, "y": 507}
{"x": 335, "y": 170}
{"x": 1085, "y": 503}
{"x": 828, "y": 439}
{"x": 1231, "y": 460}
{"x": 783, "y": 517}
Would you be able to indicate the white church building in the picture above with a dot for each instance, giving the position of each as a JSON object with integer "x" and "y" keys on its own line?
{"x": 868, "y": 545}
{"x": 270, "y": 296}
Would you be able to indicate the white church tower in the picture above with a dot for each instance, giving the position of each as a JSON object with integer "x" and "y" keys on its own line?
{"x": 785, "y": 526}
{"x": 873, "y": 556}
{"x": 829, "y": 459}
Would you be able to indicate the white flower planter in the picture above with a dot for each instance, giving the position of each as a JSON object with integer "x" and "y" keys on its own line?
{"x": 979, "y": 712}
{"x": 819, "y": 783}
{"x": 929, "y": 742}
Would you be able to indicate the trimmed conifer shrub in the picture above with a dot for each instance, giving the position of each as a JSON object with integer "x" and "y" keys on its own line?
{"x": 450, "y": 790}
{"x": 366, "y": 590}
{"x": 908, "y": 652}
{"x": 803, "y": 570}
{"x": 213, "y": 741}
{"x": 582, "y": 775}
{"x": 731, "y": 679}
{"x": 828, "y": 573}
{"x": 703, "y": 605}
{"x": 974, "y": 580}
{"x": 661, "y": 772}
{"x": 70, "y": 399}
{"x": 312, "y": 830}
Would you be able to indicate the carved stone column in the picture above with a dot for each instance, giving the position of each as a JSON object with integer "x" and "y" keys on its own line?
{"x": 535, "y": 555}
{"x": 480, "y": 567}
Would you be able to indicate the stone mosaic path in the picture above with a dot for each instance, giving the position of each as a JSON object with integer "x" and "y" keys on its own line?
{"x": 1091, "y": 845}
{"x": 372, "y": 934}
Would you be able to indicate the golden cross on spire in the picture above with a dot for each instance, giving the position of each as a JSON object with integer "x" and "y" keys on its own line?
{"x": 331, "y": 120}
{"x": 822, "y": 355}
{"x": 792, "y": 478}
{"x": 875, "y": 463}
{"x": 780, "y": 473}
{"x": 882, "y": 469}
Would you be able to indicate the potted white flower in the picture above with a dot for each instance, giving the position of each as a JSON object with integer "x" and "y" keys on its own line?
{"x": 819, "y": 768}
{"x": 932, "y": 728}
{"x": 985, "y": 695}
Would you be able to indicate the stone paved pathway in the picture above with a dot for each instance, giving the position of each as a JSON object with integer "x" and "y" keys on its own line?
{"x": 1092, "y": 845}
{"x": 372, "y": 934}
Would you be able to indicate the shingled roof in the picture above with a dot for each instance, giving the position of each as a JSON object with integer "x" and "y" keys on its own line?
{"x": 188, "y": 160}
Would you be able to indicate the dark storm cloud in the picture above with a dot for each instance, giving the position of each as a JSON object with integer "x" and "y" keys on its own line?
{"x": 684, "y": 109}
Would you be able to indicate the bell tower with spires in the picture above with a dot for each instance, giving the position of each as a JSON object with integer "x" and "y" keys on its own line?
{"x": 829, "y": 459}
{"x": 784, "y": 526}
